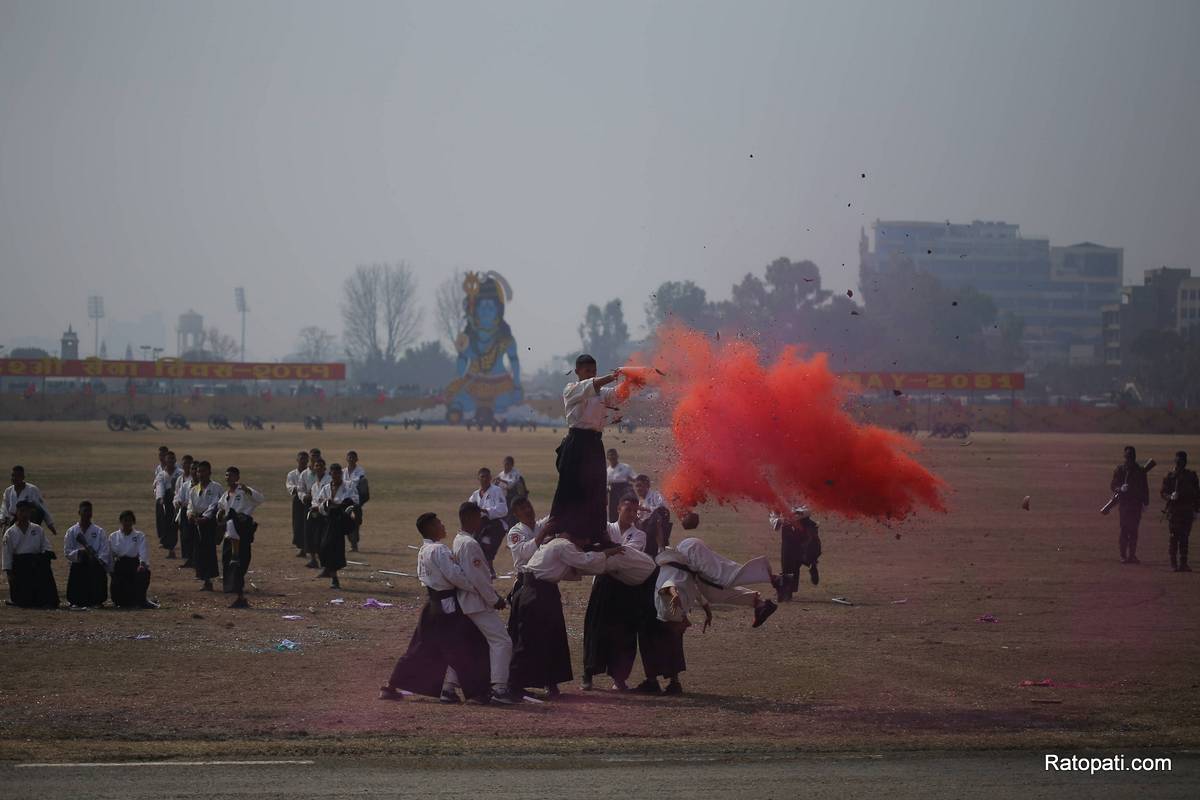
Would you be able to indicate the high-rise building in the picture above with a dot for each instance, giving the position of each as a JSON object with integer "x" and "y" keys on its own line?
{"x": 1155, "y": 305}
{"x": 1187, "y": 306}
{"x": 1057, "y": 291}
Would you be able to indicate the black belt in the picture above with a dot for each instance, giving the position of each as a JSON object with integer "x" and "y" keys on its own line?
{"x": 441, "y": 594}
{"x": 586, "y": 432}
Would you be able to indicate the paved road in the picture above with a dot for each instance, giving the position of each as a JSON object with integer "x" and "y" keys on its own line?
{"x": 837, "y": 777}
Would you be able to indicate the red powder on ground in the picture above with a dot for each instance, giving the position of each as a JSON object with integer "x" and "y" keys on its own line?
{"x": 776, "y": 434}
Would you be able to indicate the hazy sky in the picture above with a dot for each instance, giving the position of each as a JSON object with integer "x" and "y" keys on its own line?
{"x": 161, "y": 153}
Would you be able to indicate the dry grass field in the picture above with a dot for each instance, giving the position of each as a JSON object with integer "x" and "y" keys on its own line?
{"x": 907, "y": 666}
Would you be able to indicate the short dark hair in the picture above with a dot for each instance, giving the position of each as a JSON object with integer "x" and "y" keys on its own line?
{"x": 187, "y": 457}
{"x": 483, "y": 470}
{"x": 204, "y": 464}
{"x": 520, "y": 502}
{"x": 424, "y": 521}
{"x": 643, "y": 477}
{"x": 18, "y": 468}
{"x": 628, "y": 497}
{"x": 1131, "y": 450}
{"x": 510, "y": 458}
{"x": 1181, "y": 454}
{"x": 583, "y": 359}
{"x": 163, "y": 449}
{"x": 314, "y": 451}
{"x": 351, "y": 453}
{"x": 690, "y": 521}
{"x": 467, "y": 509}
{"x": 612, "y": 450}
{"x": 85, "y": 504}
{"x": 170, "y": 452}
{"x": 303, "y": 453}
{"x": 24, "y": 504}
{"x": 127, "y": 513}
{"x": 334, "y": 466}
{"x": 234, "y": 470}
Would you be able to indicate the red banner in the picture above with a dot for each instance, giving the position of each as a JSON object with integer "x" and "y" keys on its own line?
{"x": 170, "y": 368}
{"x": 937, "y": 381}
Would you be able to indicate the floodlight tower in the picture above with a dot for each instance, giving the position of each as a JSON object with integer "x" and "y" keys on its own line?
{"x": 239, "y": 298}
{"x": 96, "y": 313}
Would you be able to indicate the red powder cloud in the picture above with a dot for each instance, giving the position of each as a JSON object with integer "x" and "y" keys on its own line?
{"x": 775, "y": 434}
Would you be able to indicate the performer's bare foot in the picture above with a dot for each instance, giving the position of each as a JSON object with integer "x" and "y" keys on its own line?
{"x": 674, "y": 687}
{"x": 206, "y": 587}
{"x": 388, "y": 693}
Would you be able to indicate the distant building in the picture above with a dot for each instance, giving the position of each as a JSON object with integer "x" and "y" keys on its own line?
{"x": 1155, "y": 305}
{"x": 1187, "y": 310}
{"x": 1057, "y": 291}
{"x": 189, "y": 333}
{"x": 69, "y": 346}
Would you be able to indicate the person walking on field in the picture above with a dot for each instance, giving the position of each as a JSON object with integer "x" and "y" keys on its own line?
{"x": 1129, "y": 481}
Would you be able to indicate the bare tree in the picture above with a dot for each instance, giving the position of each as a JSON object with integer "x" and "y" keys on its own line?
{"x": 448, "y": 304}
{"x": 215, "y": 345}
{"x": 315, "y": 344}
{"x": 380, "y": 312}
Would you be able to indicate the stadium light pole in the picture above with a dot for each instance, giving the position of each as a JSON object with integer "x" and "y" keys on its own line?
{"x": 239, "y": 298}
{"x": 96, "y": 313}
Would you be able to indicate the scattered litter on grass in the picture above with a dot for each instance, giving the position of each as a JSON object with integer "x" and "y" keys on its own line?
{"x": 292, "y": 616}
{"x": 986, "y": 618}
{"x": 900, "y": 602}
{"x": 254, "y": 586}
{"x": 842, "y": 601}
{"x": 337, "y": 601}
{"x": 1044, "y": 700}
{"x": 371, "y": 602}
{"x": 78, "y": 608}
{"x": 141, "y": 636}
{"x": 359, "y": 563}
{"x": 286, "y": 644}
{"x": 1048, "y": 682}
{"x": 393, "y": 572}
{"x": 533, "y": 700}
{"x": 413, "y": 547}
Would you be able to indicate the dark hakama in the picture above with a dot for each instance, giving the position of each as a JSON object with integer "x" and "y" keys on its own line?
{"x": 616, "y": 491}
{"x": 661, "y": 644}
{"x": 205, "y": 556}
{"x": 490, "y": 537}
{"x": 187, "y": 536}
{"x": 799, "y": 547}
{"x": 658, "y": 530}
{"x": 234, "y": 565}
{"x": 31, "y": 582}
{"x": 87, "y": 582}
{"x": 164, "y": 522}
{"x": 129, "y": 584}
{"x": 333, "y": 538}
{"x": 314, "y": 532}
{"x": 579, "y": 499}
{"x": 299, "y": 512}
{"x": 541, "y": 653}
{"x": 443, "y": 640}
{"x": 610, "y": 627}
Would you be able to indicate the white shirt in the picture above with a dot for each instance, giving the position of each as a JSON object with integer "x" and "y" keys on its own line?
{"x": 76, "y": 541}
{"x": 560, "y": 560}
{"x": 203, "y": 500}
{"x": 129, "y": 545}
{"x": 327, "y": 496}
{"x": 19, "y": 542}
{"x": 165, "y": 481}
{"x": 651, "y": 502}
{"x": 482, "y": 596}
{"x": 183, "y": 487}
{"x": 437, "y": 570}
{"x": 30, "y": 493}
{"x": 633, "y": 536}
{"x": 309, "y": 484}
{"x": 509, "y": 479}
{"x": 292, "y": 483}
{"x": 521, "y": 541}
{"x": 242, "y": 500}
{"x": 587, "y": 407}
{"x": 493, "y": 502}
{"x": 352, "y": 475}
{"x": 621, "y": 473}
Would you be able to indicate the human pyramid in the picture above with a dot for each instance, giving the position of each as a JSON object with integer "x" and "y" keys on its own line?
{"x": 604, "y": 521}
{"x": 644, "y": 592}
